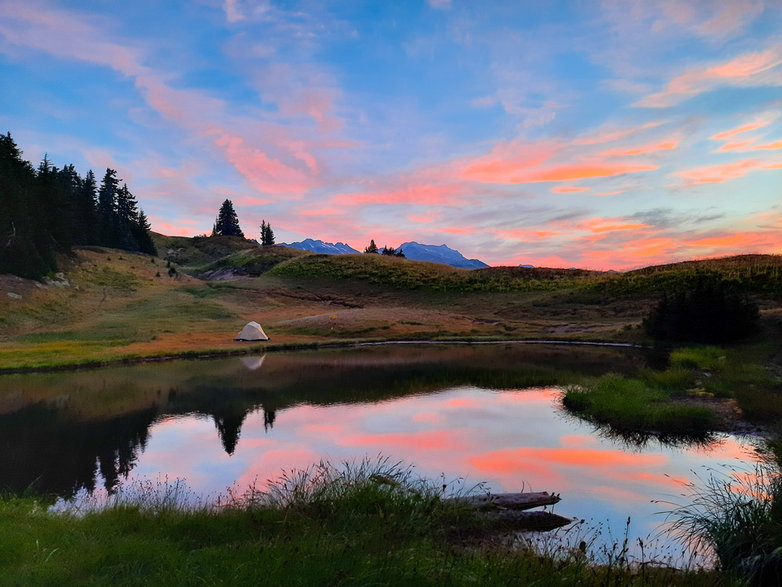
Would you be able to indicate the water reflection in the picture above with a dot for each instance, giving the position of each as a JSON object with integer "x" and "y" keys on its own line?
{"x": 60, "y": 433}
{"x": 488, "y": 414}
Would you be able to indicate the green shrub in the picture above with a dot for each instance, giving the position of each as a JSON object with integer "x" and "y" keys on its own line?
{"x": 711, "y": 311}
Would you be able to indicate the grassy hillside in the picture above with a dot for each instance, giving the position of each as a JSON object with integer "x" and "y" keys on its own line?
{"x": 248, "y": 262}
{"x": 113, "y": 304}
{"x": 199, "y": 250}
{"x": 754, "y": 273}
{"x": 405, "y": 274}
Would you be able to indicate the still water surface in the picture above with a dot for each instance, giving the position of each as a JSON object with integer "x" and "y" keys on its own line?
{"x": 485, "y": 414}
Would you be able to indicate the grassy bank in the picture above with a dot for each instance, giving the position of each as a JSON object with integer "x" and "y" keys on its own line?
{"x": 360, "y": 525}
{"x": 702, "y": 390}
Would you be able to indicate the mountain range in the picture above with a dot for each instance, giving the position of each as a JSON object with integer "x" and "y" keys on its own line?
{"x": 412, "y": 250}
{"x": 318, "y": 246}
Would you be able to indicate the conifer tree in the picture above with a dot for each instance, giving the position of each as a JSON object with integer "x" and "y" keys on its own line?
{"x": 84, "y": 211}
{"x": 267, "y": 234}
{"x": 227, "y": 222}
{"x": 21, "y": 232}
{"x": 372, "y": 248}
{"x": 143, "y": 237}
{"x": 107, "y": 202}
{"x": 126, "y": 219}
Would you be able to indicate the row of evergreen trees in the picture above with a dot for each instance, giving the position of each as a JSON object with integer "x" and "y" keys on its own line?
{"x": 46, "y": 211}
{"x": 386, "y": 250}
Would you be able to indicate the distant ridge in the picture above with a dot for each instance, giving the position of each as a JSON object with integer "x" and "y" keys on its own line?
{"x": 318, "y": 246}
{"x": 439, "y": 254}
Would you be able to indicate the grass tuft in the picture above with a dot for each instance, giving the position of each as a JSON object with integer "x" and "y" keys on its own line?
{"x": 739, "y": 518}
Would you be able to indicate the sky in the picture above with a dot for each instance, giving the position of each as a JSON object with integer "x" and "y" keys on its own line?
{"x": 588, "y": 133}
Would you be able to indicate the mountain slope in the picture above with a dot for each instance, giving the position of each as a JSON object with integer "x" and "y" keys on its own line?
{"x": 318, "y": 246}
{"x": 442, "y": 254}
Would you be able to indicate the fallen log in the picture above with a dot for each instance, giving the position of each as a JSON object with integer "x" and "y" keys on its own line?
{"x": 517, "y": 521}
{"x": 507, "y": 501}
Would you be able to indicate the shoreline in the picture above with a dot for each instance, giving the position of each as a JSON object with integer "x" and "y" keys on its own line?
{"x": 297, "y": 346}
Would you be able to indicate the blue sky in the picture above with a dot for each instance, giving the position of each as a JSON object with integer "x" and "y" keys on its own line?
{"x": 596, "y": 134}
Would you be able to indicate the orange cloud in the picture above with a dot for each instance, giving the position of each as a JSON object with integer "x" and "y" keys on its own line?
{"x": 734, "y": 146}
{"x": 586, "y": 171}
{"x": 668, "y": 145}
{"x": 600, "y": 225}
{"x": 758, "y": 122}
{"x": 768, "y": 146}
{"x": 569, "y": 189}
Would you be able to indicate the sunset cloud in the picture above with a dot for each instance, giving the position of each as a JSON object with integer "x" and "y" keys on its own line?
{"x": 748, "y": 69}
{"x": 512, "y": 138}
{"x": 719, "y": 173}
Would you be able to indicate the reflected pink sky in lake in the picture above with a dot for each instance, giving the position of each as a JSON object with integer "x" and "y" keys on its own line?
{"x": 511, "y": 440}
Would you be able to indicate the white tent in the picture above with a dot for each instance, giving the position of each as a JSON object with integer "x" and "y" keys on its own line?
{"x": 252, "y": 331}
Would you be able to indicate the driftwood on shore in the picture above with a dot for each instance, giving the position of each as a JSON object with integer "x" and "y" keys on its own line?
{"x": 507, "y": 511}
{"x": 508, "y": 501}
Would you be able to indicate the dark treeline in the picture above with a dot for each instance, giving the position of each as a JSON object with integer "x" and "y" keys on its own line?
{"x": 46, "y": 211}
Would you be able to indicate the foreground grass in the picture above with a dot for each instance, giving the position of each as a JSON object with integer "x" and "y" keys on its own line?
{"x": 739, "y": 518}
{"x": 365, "y": 525}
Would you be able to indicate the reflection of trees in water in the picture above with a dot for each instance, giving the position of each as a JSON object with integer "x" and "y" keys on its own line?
{"x": 52, "y": 449}
{"x": 41, "y": 450}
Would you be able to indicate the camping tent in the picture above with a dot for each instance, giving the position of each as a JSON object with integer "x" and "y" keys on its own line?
{"x": 252, "y": 331}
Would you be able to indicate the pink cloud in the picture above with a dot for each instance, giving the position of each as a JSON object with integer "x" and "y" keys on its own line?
{"x": 747, "y": 69}
{"x": 719, "y": 173}
{"x": 67, "y": 35}
{"x": 758, "y": 122}
{"x": 511, "y": 163}
{"x": 667, "y": 145}
{"x": 610, "y": 135}
{"x": 264, "y": 172}
{"x": 407, "y": 192}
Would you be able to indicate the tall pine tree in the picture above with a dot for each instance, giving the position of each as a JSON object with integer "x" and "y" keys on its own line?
{"x": 142, "y": 234}
{"x": 227, "y": 222}
{"x": 24, "y": 250}
{"x": 107, "y": 202}
{"x": 85, "y": 230}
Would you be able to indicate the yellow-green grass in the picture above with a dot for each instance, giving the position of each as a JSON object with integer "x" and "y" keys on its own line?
{"x": 123, "y": 305}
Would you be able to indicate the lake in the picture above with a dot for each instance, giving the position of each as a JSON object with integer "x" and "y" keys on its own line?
{"x": 466, "y": 414}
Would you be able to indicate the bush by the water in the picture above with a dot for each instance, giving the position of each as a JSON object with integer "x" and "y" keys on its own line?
{"x": 711, "y": 311}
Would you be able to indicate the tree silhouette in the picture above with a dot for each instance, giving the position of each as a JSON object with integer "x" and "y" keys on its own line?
{"x": 267, "y": 234}
{"x": 227, "y": 222}
{"x": 372, "y": 247}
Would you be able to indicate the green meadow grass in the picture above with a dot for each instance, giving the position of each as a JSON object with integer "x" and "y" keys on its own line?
{"x": 366, "y": 524}
{"x": 635, "y": 406}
